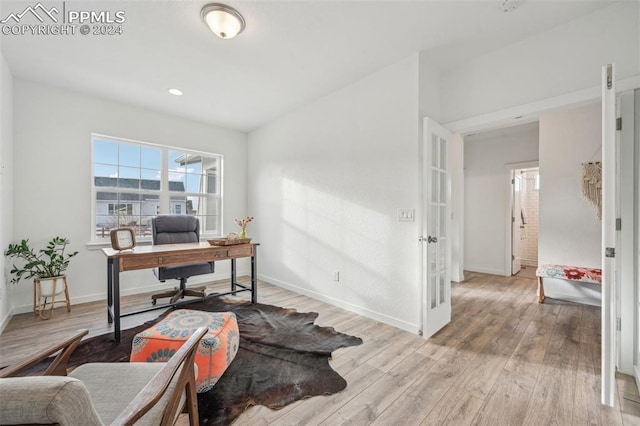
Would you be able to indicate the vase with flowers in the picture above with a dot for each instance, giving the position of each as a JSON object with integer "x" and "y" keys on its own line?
{"x": 242, "y": 223}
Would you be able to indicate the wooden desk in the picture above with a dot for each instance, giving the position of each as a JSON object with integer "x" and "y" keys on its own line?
{"x": 147, "y": 257}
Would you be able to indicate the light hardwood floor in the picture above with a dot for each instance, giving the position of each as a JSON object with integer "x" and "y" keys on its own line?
{"x": 503, "y": 360}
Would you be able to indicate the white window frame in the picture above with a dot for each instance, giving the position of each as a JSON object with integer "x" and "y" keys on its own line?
{"x": 164, "y": 193}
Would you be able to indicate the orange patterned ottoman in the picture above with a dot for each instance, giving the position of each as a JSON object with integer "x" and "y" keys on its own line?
{"x": 216, "y": 349}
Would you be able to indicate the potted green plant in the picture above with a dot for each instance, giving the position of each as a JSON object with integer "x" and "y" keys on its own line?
{"x": 46, "y": 266}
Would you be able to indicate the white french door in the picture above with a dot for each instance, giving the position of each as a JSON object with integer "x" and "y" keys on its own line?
{"x": 608, "y": 234}
{"x": 436, "y": 241}
{"x": 517, "y": 224}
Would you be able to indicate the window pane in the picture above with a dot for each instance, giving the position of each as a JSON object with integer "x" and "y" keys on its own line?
{"x": 150, "y": 174}
{"x": 432, "y": 256}
{"x": 434, "y": 150}
{"x": 434, "y": 291}
{"x": 443, "y": 153}
{"x": 194, "y": 183}
{"x": 442, "y": 253}
{"x": 150, "y": 205}
{"x": 442, "y": 222}
{"x": 115, "y": 209}
{"x": 192, "y": 163}
{"x": 433, "y": 221}
{"x": 208, "y": 223}
{"x": 176, "y": 161}
{"x": 110, "y": 173}
{"x": 129, "y": 177}
{"x": 151, "y": 158}
{"x": 151, "y": 185}
{"x": 129, "y": 155}
{"x": 176, "y": 185}
{"x": 179, "y": 203}
{"x": 434, "y": 186}
{"x": 144, "y": 228}
{"x": 212, "y": 183}
{"x": 105, "y": 152}
{"x": 209, "y": 205}
{"x": 193, "y": 206}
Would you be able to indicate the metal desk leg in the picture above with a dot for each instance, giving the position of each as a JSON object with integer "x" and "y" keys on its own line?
{"x": 233, "y": 276}
{"x": 254, "y": 275}
{"x": 109, "y": 289}
{"x": 116, "y": 299}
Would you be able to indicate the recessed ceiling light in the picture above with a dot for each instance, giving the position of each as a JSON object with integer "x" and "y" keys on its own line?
{"x": 175, "y": 92}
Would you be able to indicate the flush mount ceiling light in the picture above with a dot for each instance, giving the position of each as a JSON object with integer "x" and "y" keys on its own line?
{"x": 175, "y": 92}
{"x": 223, "y": 20}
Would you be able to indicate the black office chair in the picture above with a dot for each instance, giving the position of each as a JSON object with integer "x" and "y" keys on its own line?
{"x": 175, "y": 229}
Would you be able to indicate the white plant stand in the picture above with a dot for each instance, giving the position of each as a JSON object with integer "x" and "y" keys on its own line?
{"x": 45, "y": 291}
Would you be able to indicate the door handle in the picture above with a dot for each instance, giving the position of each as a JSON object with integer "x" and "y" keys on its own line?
{"x": 429, "y": 239}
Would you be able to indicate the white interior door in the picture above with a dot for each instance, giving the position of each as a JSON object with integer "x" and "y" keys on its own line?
{"x": 608, "y": 234}
{"x": 436, "y": 241}
{"x": 626, "y": 206}
{"x": 517, "y": 224}
{"x": 636, "y": 252}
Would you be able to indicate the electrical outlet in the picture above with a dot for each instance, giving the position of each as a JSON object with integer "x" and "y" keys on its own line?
{"x": 336, "y": 276}
{"x": 406, "y": 215}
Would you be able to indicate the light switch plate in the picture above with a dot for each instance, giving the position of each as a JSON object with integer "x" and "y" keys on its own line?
{"x": 406, "y": 215}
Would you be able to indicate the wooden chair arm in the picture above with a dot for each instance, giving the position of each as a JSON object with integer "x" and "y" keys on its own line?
{"x": 58, "y": 366}
{"x": 157, "y": 386}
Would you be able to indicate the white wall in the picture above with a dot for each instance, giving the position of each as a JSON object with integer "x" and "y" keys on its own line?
{"x": 325, "y": 183}
{"x": 457, "y": 208}
{"x": 429, "y": 87}
{"x": 562, "y": 60}
{"x": 6, "y": 184}
{"x": 486, "y": 188}
{"x": 52, "y": 179}
{"x": 570, "y": 232}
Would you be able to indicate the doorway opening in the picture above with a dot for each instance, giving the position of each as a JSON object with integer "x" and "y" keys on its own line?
{"x": 525, "y": 221}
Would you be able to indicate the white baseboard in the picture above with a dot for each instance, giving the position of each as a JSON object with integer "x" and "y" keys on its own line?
{"x": 457, "y": 278}
{"x": 377, "y": 316}
{"x": 76, "y": 300}
{"x": 486, "y": 270}
{"x": 5, "y": 321}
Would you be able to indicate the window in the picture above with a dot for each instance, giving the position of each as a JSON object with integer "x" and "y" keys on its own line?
{"x": 134, "y": 181}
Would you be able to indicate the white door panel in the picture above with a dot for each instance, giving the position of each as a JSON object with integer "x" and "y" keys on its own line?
{"x": 608, "y": 234}
{"x": 436, "y": 244}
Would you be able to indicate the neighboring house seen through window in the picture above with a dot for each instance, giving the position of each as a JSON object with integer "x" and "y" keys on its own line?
{"x": 134, "y": 181}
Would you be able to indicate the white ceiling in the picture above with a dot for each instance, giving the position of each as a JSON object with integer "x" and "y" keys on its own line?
{"x": 290, "y": 53}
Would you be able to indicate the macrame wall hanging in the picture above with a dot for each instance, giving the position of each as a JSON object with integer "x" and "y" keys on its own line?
{"x": 592, "y": 185}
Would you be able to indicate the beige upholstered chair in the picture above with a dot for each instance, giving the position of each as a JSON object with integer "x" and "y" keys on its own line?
{"x": 101, "y": 393}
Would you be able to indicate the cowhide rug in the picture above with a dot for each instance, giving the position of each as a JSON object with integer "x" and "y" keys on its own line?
{"x": 283, "y": 357}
